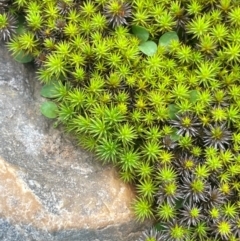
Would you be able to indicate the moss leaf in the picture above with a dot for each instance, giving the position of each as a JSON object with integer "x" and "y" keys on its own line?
{"x": 141, "y": 33}
{"x": 49, "y": 109}
{"x": 166, "y": 38}
{"x": 149, "y": 48}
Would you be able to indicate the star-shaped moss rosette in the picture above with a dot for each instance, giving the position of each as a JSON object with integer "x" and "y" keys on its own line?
{"x": 152, "y": 88}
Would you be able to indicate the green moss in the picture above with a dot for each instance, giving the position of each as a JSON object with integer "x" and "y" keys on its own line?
{"x": 152, "y": 87}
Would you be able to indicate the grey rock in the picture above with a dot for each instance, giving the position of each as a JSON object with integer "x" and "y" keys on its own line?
{"x": 51, "y": 189}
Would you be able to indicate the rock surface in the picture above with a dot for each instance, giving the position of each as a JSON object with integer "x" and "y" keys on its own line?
{"x": 50, "y": 189}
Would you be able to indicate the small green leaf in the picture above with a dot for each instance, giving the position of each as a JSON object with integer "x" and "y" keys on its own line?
{"x": 141, "y": 33}
{"x": 149, "y": 48}
{"x": 23, "y": 58}
{"x": 20, "y": 25}
{"x": 159, "y": 227}
{"x": 49, "y": 90}
{"x": 174, "y": 136}
{"x": 166, "y": 38}
{"x": 172, "y": 111}
{"x": 179, "y": 203}
{"x": 49, "y": 109}
{"x": 193, "y": 96}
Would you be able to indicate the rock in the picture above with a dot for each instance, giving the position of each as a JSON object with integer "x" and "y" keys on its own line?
{"x": 50, "y": 188}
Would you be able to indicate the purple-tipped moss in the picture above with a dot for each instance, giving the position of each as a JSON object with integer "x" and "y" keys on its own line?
{"x": 8, "y": 25}
{"x": 186, "y": 124}
{"x": 217, "y": 136}
{"x": 186, "y": 164}
{"x": 222, "y": 229}
{"x": 169, "y": 143}
{"x": 194, "y": 189}
{"x": 151, "y": 235}
{"x": 214, "y": 197}
{"x": 65, "y": 6}
{"x": 3, "y": 5}
{"x": 175, "y": 231}
{"x": 168, "y": 192}
{"x": 117, "y": 12}
{"x": 191, "y": 215}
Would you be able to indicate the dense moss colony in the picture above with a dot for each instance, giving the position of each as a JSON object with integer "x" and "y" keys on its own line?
{"x": 168, "y": 118}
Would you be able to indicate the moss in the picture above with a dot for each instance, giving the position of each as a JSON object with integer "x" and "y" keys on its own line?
{"x": 165, "y": 113}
